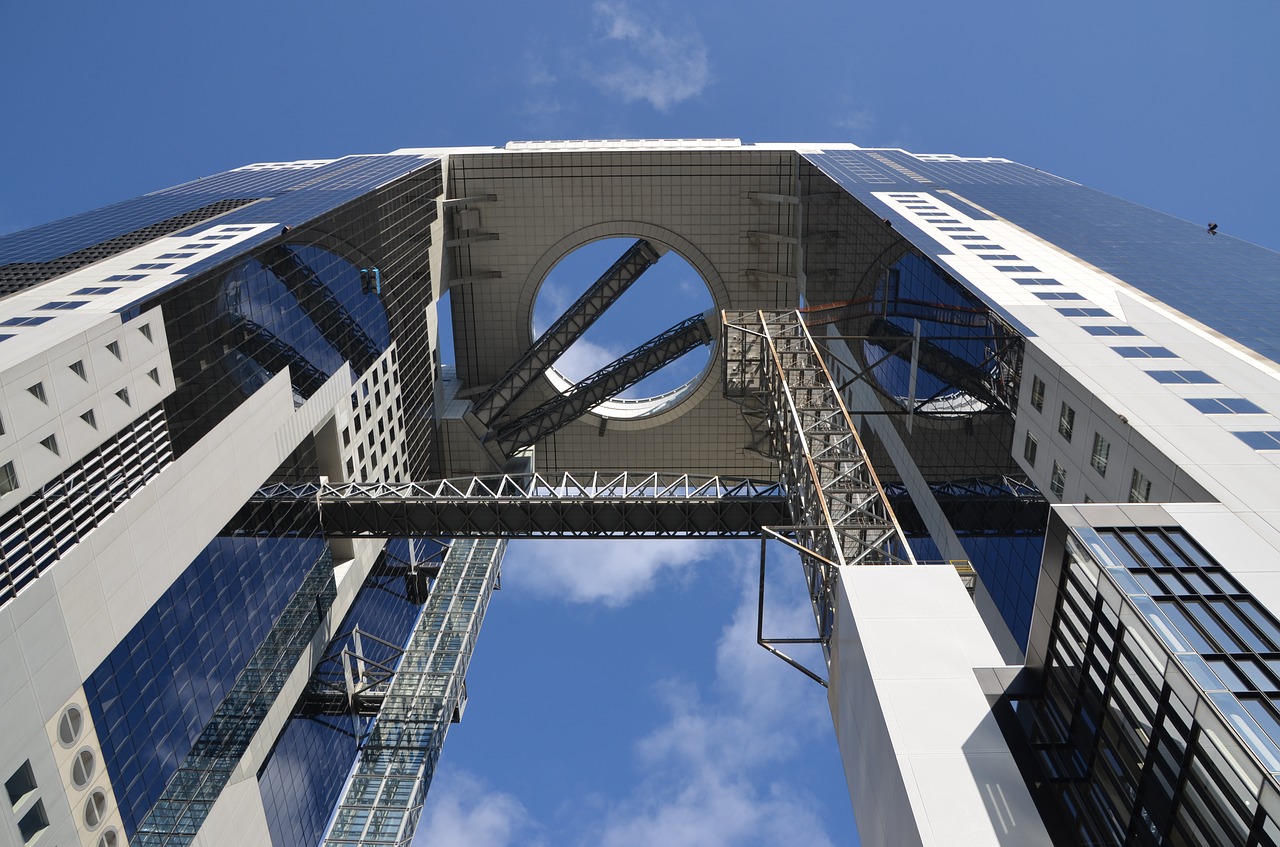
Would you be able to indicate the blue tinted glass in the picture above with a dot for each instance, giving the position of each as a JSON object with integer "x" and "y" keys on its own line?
{"x": 1260, "y": 440}
{"x": 1111, "y": 330}
{"x": 1225, "y": 406}
{"x": 1182, "y": 377}
{"x": 1145, "y": 352}
{"x": 1085, "y": 312}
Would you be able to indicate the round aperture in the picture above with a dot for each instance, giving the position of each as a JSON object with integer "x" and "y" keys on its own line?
{"x": 667, "y": 300}
{"x": 69, "y": 725}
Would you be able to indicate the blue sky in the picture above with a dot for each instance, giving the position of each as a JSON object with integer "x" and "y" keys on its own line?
{"x": 617, "y": 696}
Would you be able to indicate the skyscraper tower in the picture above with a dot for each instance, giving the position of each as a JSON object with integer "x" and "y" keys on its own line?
{"x": 250, "y": 522}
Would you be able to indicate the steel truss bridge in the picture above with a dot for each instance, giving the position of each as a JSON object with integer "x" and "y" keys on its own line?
{"x": 826, "y": 503}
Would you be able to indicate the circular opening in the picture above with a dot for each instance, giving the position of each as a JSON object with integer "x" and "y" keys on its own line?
{"x": 110, "y": 838}
{"x": 667, "y": 293}
{"x": 95, "y": 809}
{"x": 82, "y": 768}
{"x": 70, "y": 725}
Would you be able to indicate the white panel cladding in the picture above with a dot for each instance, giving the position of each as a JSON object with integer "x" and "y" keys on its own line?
{"x": 72, "y": 617}
{"x": 93, "y": 384}
{"x": 371, "y": 422}
{"x": 925, "y": 761}
{"x": 1186, "y": 454}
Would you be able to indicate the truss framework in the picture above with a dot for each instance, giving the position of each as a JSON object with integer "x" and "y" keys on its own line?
{"x": 383, "y": 798}
{"x": 842, "y": 517}
{"x": 604, "y": 384}
{"x": 567, "y": 329}
{"x": 527, "y": 505}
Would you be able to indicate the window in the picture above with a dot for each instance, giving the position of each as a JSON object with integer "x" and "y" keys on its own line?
{"x": 1181, "y": 377}
{"x": 1101, "y": 453}
{"x": 119, "y": 278}
{"x": 154, "y": 375}
{"x": 1027, "y": 280}
{"x": 97, "y": 290}
{"x": 62, "y": 305}
{"x": 77, "y": 368}
{"x": 95, "y": 809}
{"x": 50, "y": 444}
{"x": 33, "y": 823}
{"x": 123, "y": 394}
{"x": 1226, "y": 406}
{"x": 1059, "y": 295}
{"x": 145, "y": 329}
{"x": 1066, "y": 421}
{"x": 152, "y": 266}
{"x": 1037, "y": 393}
{"x": 978, "y": 246}
{"x": 1018, "y": 269}
{"x": 1058, "y": 480}
{"x": 1111, "y": 330}
{"x": 1260, "y": 440}
{"x": 28, "y": 320}
{"x": 1029, "y": 449}
{"x": 37, "y": 391}
{"x": 1145, "y": 352}
{"x": 22, "y": 783}
{"x": 69, "y": 725}
{"x": 82, "y": 768}
{"x": 1084, "y": 312}
{"x": 1139, "y": 487}
{"x": 175, "y": 255}
{"x": 90, "y": 418}
{"x": 114, "y": 348}
{"x": 8, "y": 478}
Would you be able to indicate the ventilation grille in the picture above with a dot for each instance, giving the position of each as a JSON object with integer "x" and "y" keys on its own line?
{"x": 22, "y": 275}
{"x": 50, "y": 522}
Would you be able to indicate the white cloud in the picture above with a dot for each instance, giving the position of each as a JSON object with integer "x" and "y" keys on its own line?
{"x": 647, "y": 62}
{"x": 583, "y": 358}
{"x": 607, "y": 571}
{"x": 462, "y": 812}
{"x": 713, "y": 770}
{"x": 725, "y": 764}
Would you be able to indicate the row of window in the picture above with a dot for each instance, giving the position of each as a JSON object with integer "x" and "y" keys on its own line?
{"x": 1099, "y": 455}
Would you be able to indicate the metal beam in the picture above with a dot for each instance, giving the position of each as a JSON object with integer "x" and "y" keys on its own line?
{"x": 561, "y": 506}
{"x": 602, "y": 385}
{"x": 947, "y": 367}
{"x": 567, "y": 329}
{"x": 324, "y": 310}
{"x": 843, "y": 517}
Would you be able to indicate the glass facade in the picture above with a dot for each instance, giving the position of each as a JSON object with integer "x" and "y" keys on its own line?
{"x": 1158, "y": 719}
{"x": 180, "y": 695}
{"x": 153, "y": 695}
{"x": 1173, "y": 260}
{"x": 303, "y": 777}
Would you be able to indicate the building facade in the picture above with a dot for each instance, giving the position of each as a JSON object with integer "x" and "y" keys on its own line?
{"x": 1068, "y": 404}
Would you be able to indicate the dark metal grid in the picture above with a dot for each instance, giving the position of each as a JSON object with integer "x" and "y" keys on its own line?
{"x": 40, "y": 530}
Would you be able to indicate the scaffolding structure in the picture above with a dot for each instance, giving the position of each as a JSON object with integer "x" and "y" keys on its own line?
{"x": 842, "y": 517}
{"x": 383, "y": 798}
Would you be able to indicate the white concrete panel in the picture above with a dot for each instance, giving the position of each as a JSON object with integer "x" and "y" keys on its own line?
{"x": 925, "y": 760}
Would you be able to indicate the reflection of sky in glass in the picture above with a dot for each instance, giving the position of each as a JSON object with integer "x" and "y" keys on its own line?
{"x": 915, "y": 289}
{"x": 254, "y": 292}
{"x": 667, "y": 293}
